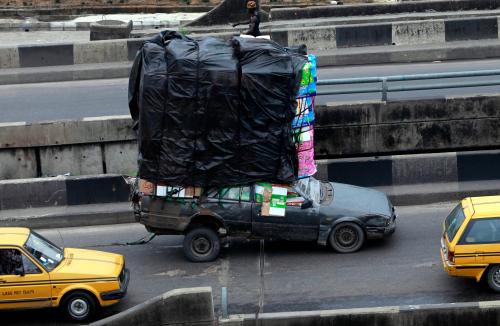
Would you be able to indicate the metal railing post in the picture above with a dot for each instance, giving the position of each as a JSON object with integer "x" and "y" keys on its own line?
{"x": 225, "y": 313}
{"x": 384, "y": 89}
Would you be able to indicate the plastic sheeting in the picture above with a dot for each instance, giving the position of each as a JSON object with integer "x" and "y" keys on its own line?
{"x": 215, "y": 113}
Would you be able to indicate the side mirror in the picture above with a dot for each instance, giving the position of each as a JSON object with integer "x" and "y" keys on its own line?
{"x": 307, "y": 204}
{"x": 19, "y": 271}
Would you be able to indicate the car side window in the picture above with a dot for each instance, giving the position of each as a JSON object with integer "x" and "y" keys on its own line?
{"x": 30, "y": 267}
{"x": 10, "y": 261}
{"x": 235, "y": 193}
{"x": 485, "y": 230}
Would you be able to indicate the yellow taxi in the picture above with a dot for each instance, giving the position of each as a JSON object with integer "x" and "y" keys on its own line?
{"x": 470, "y": 245}
{"x": 34, "y": 273}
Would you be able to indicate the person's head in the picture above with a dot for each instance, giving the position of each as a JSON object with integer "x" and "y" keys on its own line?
{"x": 251, "y": 6}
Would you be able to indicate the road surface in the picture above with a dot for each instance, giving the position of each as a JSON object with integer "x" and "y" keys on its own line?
{"x": 78, "y": 99}
{"x": 403, "y": 270}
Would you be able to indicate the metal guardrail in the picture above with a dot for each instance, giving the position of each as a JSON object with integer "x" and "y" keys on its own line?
{"x": 385, "y": 88}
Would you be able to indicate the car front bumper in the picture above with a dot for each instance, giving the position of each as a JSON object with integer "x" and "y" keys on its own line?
{"x": 382, "y": 231}
{"x": 118, "y": 294}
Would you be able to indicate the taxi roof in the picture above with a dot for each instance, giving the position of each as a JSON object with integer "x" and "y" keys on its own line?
{"x": 13, "y": 236}
{"x": 485, "y": 206}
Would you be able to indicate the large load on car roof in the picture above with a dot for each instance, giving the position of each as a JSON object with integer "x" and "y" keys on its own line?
{"x": 215, "y": 113}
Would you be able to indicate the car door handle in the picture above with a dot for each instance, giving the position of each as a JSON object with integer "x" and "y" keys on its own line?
{"x": 3, "y": 281}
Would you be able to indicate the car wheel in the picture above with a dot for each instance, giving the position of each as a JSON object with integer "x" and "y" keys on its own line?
{"x": 347, "y": 237}
{"x": 79, "y": 306}
{"x": 201, "y": 245}
{"x": 494, "y": 278}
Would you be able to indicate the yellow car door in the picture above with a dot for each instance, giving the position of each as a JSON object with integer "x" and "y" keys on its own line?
{"x": 23, "y": 284}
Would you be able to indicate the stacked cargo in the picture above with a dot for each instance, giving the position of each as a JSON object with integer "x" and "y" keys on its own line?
{"x": 303, "y": 123}
{"x": 214, "y": 114}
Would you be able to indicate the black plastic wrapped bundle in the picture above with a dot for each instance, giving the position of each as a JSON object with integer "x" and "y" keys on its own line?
{"x": 213, "y": 113}
{"x": 269, "y": 84}
{"x": 146, "y": 102}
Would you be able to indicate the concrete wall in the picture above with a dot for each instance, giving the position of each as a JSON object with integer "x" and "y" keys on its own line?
{"x": 316, "y": 38}
{"x": 453, "y": 314}
{"x": 24, "y": 56}
{"x": 419, "y": 178}
{"x": 192, "y": 306}
{"x": 88, "y": 146}
{"x": 108, "y": 145}
{"x": 391, "y": 33}
{"x": 382, "y": 8}
{"x": 63, "y": 191}
{"x": 397, "y": 127}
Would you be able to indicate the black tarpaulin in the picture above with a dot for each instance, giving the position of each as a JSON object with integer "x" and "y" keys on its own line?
{"x": 214, "y": 113}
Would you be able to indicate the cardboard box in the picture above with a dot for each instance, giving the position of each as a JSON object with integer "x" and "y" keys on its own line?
{"x": 146, "y": 187}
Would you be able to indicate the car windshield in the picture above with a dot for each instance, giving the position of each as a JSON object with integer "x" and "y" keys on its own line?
{"x": 311, "y": 188}
{"x": 47, "y": 254}
{"x": 454, "y": 221}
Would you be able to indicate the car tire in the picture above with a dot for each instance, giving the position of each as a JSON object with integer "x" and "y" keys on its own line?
{"x": 79, "y": 306}
{"x": 493, "y": 278}
{"x": 201, "y": 244}
{"x": 346, "y": 237}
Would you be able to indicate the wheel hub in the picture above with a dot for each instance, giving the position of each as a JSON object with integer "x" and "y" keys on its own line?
{"x": 496, "y": 277}
{"x": 346, "y": 237}
{"x": 201, "y": 245}
{"x": 79, "y": 307}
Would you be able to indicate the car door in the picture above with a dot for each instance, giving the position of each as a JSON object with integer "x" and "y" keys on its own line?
{"x": 23, "y": 284}
{"x": 299, "y": 223}
{"x": 234, "y": 206}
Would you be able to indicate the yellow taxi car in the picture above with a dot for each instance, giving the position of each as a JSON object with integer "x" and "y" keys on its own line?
{"x": 34, "y": 273}
{"x": 470, "y": 245}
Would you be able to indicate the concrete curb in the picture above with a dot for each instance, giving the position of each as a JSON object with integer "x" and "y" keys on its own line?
{"x": 448, "y": 314}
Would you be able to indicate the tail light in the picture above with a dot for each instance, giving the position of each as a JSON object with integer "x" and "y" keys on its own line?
{"x": 451, "y": 256}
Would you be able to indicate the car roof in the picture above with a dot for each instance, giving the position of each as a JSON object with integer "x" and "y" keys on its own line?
{"x": 486, "y": 206}
{"x": 14, "y": 236}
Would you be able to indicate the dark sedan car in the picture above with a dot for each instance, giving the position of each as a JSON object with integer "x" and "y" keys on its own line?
{"x": 340, "y": 215}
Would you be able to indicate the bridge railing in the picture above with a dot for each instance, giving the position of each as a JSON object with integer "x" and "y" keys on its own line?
{"x": 384, "y": 87}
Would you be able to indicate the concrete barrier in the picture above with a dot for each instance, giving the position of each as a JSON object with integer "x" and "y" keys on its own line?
{"x": 219, "y": 15}
{"x": 89, "y": 146}
{"x": 191, "y": 306}
{"x": 315, "y": 38}
{"x": 108, "y": 145}
{"x": 406, "y": 127}
{"x": 63, "y": 191}
{"x": 392, "y": 33}
{"x": 24, "y": 56}
{"x": 449, "y": 314}
{"x": 420, "y": 178}
{"x": 382, "y": 8}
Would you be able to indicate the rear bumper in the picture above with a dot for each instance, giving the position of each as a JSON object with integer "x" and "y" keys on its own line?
{"x": 469, "y": 271}
{"x": 118, "y": 294}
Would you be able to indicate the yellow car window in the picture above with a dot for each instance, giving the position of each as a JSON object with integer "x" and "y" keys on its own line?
{"x": 10, "y": 261}
{"x": 483, "y": 231}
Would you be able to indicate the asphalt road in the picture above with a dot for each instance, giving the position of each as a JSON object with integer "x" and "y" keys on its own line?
{"x": 78, "y": 99}
{"x": 404, "y": 269}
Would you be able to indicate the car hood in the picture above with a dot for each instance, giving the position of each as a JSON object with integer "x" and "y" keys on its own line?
{"x": 83, "y": 264}
{"x": 359, "y": 200}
